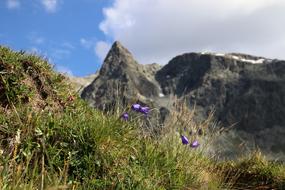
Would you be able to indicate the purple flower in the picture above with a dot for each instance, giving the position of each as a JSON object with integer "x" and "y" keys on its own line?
{"x": 136, "y": 107}
{"x": 184, "y": 139}
{"x": 125, "y": 116}
{"x": 144, "y": 110}
{"x": 194, "y": 144}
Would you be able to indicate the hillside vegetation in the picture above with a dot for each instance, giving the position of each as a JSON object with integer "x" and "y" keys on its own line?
{"x": 51, "y": 139}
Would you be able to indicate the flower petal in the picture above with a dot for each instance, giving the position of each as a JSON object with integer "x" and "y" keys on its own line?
{"x": 144, "y": 110}
{"x": 184, "y": 139}
{"x": 125, "y": 116}
{"x": 194, "y": 144}
{"x": 136, "y": 107}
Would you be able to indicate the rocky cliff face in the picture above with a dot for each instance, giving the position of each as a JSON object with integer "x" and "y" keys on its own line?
{"x": 122, "y": 79}
{"x": 245, "y": 91}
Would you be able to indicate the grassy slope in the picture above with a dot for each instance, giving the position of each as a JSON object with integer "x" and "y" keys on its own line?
{"x": 50, "y": 139}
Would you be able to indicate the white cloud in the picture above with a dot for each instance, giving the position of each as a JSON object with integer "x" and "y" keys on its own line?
{"x": 50, "y": 5}
{"x": 157, "y": 30}
{"x": 13, "y": 4}
{"x": 59, "y": 54}
{"x": 37, "y": 40}
{"x": 68, "y": 45}
{"x": 87, "y": 43}
{"x": 34, "y": 50}
{"x": 101, "y": 49}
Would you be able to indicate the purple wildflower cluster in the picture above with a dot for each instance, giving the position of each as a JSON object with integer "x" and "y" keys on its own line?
{"x": 142, "y": 109}
{"x": 145, "y": 110}
{"x": 137, "y": 108}
{"x": 185, "y": 141}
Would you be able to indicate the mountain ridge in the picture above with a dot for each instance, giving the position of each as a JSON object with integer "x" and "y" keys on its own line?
{"x": 244, "y": 90}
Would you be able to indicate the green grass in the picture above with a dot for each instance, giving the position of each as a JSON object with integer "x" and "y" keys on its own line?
{"x": 50, "y": 139}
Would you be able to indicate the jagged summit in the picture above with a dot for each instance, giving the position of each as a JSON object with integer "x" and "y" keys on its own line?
{"x": 121, "y": 77}
{"x": 117, "y": 58}
{"x": 118, "y": 45}
{"x": 118, "y": 50}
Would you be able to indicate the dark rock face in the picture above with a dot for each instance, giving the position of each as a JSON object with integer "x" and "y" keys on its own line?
{"x": 122, "y": 79}
{"x": 251, "y": 94}
{"x": 245, "y": 91}
{"x": 179, "y": 77}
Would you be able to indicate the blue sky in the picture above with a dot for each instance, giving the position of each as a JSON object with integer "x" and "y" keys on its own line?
{"x": 63, "y": 31}
{"x": 75, "y": 35}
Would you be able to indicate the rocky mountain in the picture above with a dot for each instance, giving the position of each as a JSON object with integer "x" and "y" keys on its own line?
{"x": 245, "y": 91}
{"x": 122, "y": 79}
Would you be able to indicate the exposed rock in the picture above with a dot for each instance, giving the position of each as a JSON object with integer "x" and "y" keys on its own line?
{"x": 122, "y": 79}
{"x": 248, "y": 95}
{"x": 245, "y": 91}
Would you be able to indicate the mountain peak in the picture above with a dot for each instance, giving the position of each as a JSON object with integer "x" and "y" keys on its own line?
{"x": 118, "y": 59}
{"x": 118, "y": 49}
{"x": 117, "y": 44}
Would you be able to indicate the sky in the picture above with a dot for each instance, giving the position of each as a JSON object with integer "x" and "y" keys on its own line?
{"x": 75, "y": 36}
